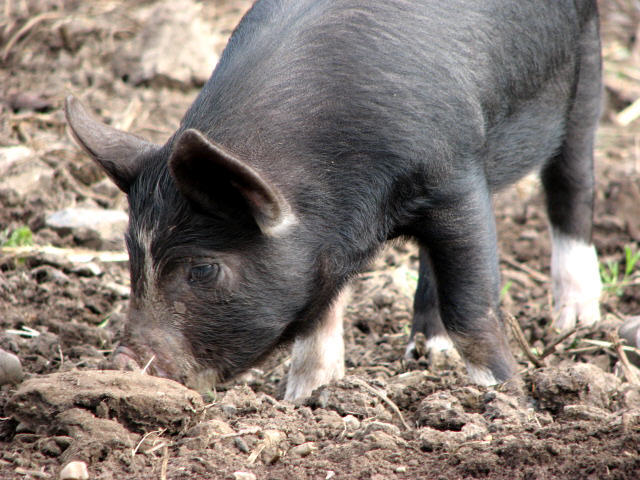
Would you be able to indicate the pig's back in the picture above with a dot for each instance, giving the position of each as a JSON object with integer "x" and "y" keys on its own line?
{"x": 326, "y": 80}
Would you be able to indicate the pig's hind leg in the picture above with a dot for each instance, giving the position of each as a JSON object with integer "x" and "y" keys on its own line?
{"x": 459, "y": 237}
{"x": 426, "y": 313}
{"x": 568, "y": 179}
{"x": 318, "y": 357}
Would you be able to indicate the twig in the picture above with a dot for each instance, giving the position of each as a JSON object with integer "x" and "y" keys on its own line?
{"x": 628, "y": 369}
{"x": 144, "y": 370}
{"x": 61, "y": 357}
{"x": 246, "y": 431}
{"x": 629, "y": 114}
{"x": 384, "y": 398}
{"x": 522, "y": 341}
{"x": 552, "y": 347}
{"x": 74, "y": 255}
{"x": 144, "y": 437}
{"x": 24, "y": 332}
{"x": 255, "y": 453}
{"x": 540, "y": 277}
{"x": 165, "y": 462}
{"x": 602, "y": 344}
{"x": 25, "y": 28}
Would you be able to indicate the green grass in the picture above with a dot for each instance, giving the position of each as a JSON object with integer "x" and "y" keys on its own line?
{"x": 614, "y": 278}
{"x": 505, "y": 289}
{"x": 20, "y": 237}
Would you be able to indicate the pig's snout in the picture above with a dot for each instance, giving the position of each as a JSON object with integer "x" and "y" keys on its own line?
{"x": 154, "y": 351}
{"x": 125, "y": 359}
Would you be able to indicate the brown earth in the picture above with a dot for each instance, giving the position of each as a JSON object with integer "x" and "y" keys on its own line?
{"x": 574, "y": 415}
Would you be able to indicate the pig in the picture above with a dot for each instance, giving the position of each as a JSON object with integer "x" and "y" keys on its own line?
{"x": 329, "y": 127}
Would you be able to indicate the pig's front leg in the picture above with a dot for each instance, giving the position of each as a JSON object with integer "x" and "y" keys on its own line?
{"x": 318, "y": 358}
{"x": 459, "y": 236}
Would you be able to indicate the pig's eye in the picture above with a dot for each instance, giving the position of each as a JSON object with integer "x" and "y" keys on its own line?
{"x": 204, "y": 272}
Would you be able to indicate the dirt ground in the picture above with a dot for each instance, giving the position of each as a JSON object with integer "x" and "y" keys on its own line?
{"x": 574, "y": 415}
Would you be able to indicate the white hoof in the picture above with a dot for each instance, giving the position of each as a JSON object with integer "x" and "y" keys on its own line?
{"x": 576, "y": 282}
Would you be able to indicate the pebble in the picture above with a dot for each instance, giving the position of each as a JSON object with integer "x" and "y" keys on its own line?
{"x": 110, "y": 225}
{"x": 244, "y": 476}
{"x": 10, "y": 368}
{"x": 630, "y": 332}
{"x": 241, "y": 444}
{"x": 351, "y": 422}
{"x": 75, "y": 470}
{"x": 303, "y": 449}
{"x": 89, "y": 269}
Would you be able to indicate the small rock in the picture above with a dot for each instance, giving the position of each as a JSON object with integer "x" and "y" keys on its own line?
{"x": 241, "y": 444}
{"x": 272, "y": 443}
{"x": 89, "y": 269}
{"x": 75, "y": 470}
{"x": 244, "y": 476}
{"x": 585, "y": 412}
{"x": 375, "y": 426}
{"x": 630, "y": 332}
{"x": 401, "y": 469}
{"x": 202, "y": 434}
{"x": 379, "y": 439}
{"x": 303, "y": 449}
{"x": 10, "y": 368}
{"x": 110, "y": 225}
{"x": 351, "y": 422}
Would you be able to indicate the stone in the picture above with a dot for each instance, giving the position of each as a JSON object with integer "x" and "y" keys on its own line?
{"x": 10, "y": 368}
{"x": 151, "y": 57}
{"x": 110, "y": 225}
{"x": 303, "y": 450}
{"x": 244, "y": 476}
{"x": 75, "y": 470}
{"x": 22, "y": 172}
{"x": 630, "y": 333}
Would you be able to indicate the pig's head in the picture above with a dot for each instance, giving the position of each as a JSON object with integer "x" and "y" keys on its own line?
{"x": 217, "y": 278}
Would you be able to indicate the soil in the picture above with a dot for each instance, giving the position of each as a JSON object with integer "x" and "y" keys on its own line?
{"x": 574, "y": 412}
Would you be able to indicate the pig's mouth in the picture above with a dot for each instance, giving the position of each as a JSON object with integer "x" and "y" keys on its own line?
{"x": 147, "y": 361}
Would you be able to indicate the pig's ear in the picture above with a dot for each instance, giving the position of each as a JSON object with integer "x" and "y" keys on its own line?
{"x": 117, "y": 152}
{"x": 215, "y": 179}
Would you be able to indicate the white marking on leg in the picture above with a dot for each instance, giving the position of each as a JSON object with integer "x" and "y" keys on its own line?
{"x": 410, "y": 350}
{"x": 318, "y": 358}
{"x": 436, "y": 344}
{"x": 481, "y": 375}
{"x": 576, "y": 282}
{"x": 440, "y": 343}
